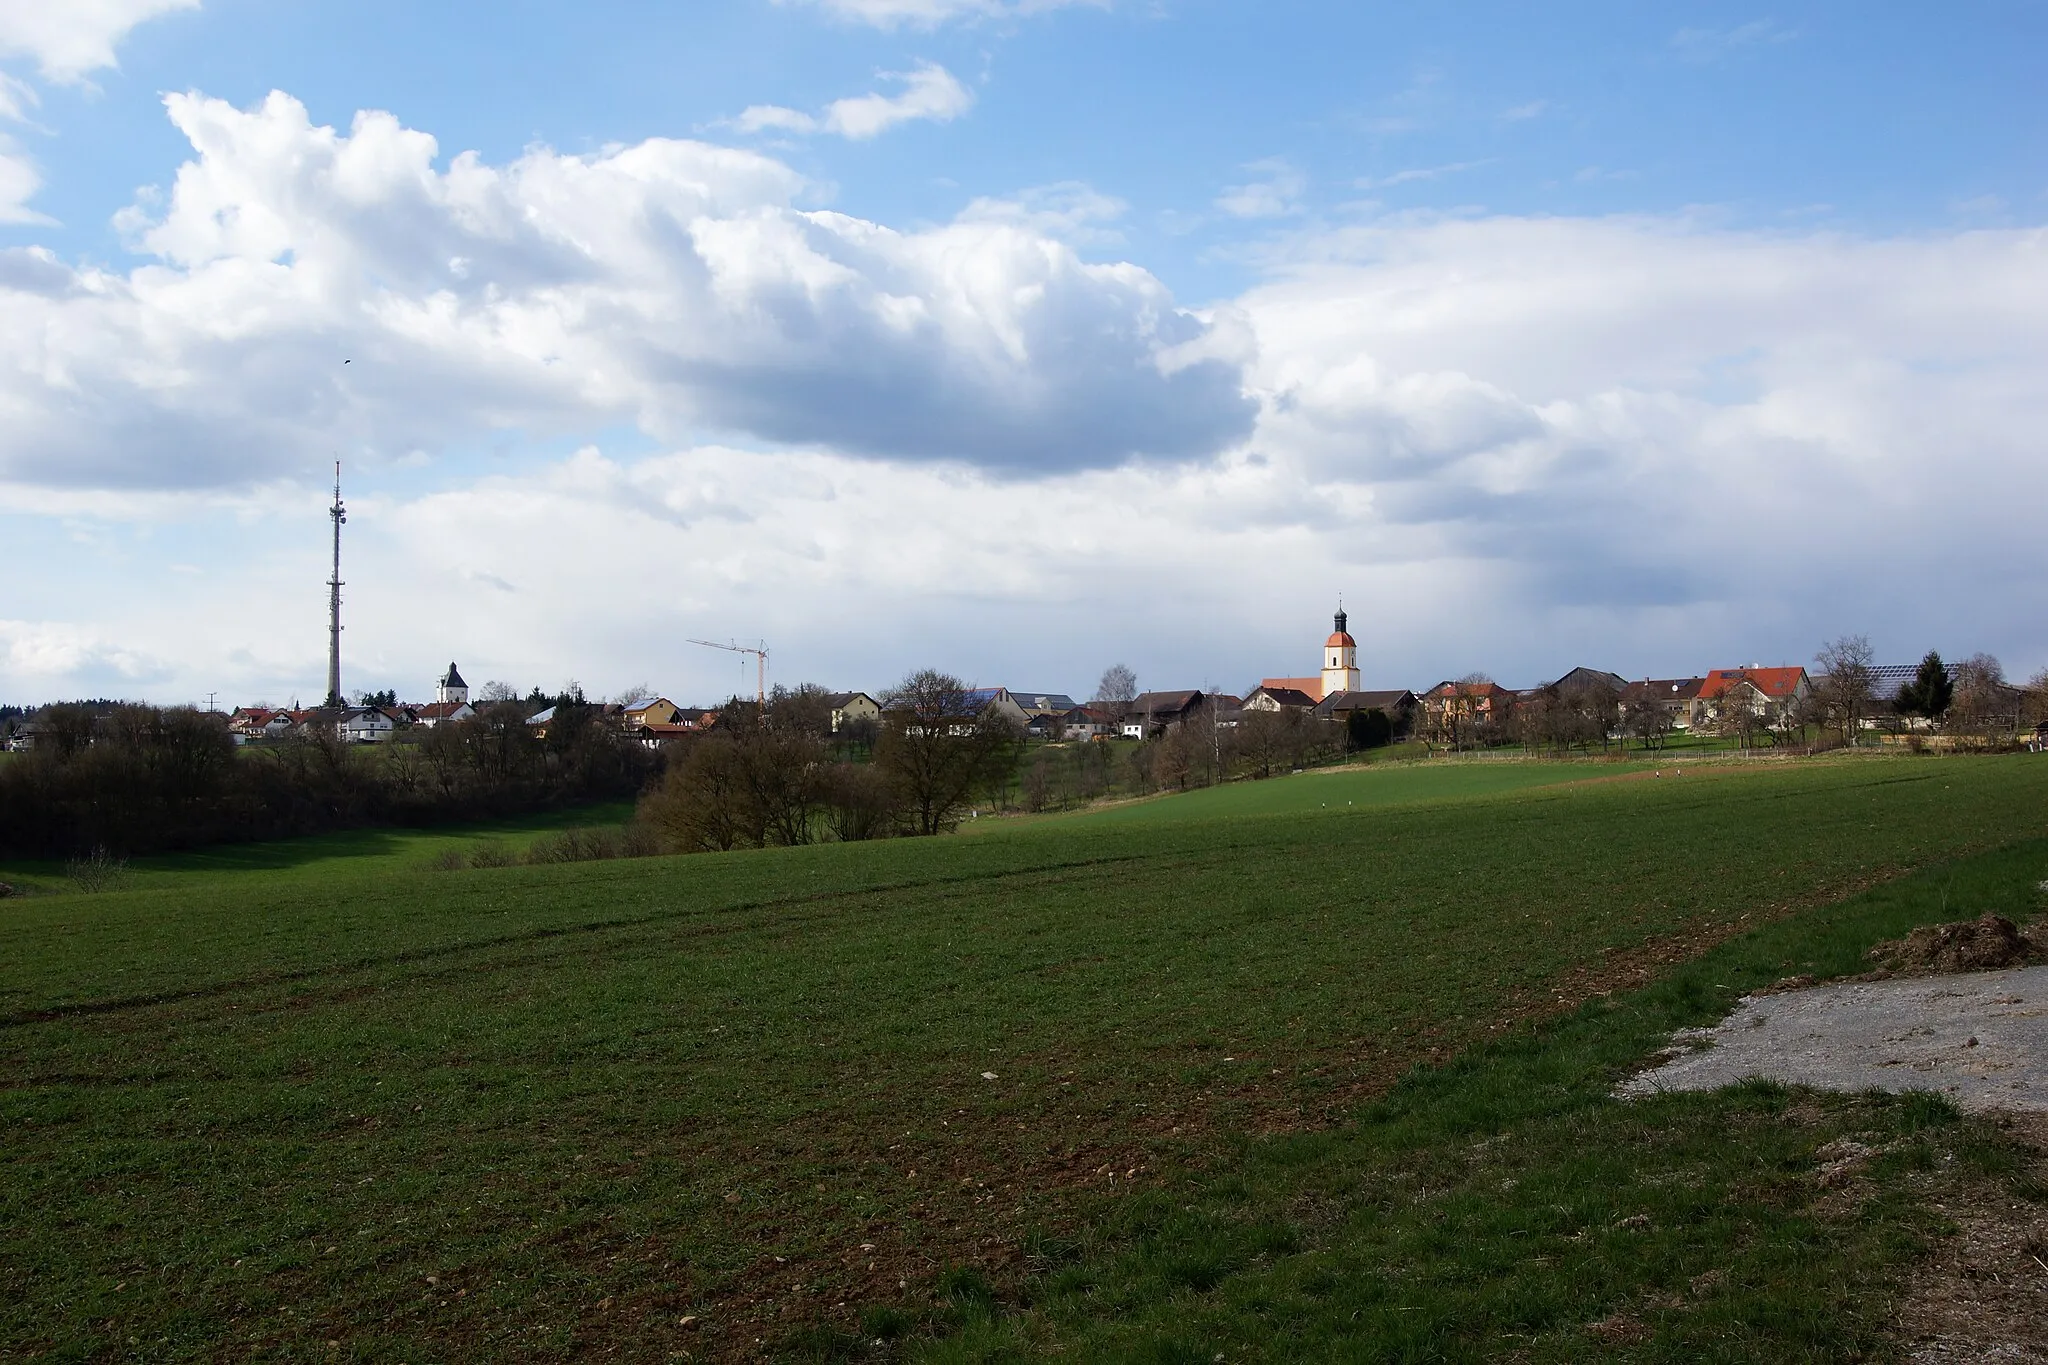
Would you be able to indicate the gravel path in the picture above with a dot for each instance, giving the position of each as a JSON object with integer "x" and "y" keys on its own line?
{"x": 1979, "y": 1038}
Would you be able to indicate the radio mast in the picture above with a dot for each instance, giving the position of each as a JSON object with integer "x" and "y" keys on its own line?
{"x": 340, "y": 516}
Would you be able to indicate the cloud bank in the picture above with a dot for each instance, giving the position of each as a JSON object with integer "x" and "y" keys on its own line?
{"x": 671, "y": 284}
{"x": 1651, "y": 444}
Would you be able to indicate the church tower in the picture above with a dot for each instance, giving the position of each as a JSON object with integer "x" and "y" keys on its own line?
{"x": 1340, "y": 660}
{"x": 452, "y": 688}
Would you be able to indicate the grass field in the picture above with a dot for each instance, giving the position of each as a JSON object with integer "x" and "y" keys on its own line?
{"x": 1129, "y": 1088}
{"x": 1352, "y": 788}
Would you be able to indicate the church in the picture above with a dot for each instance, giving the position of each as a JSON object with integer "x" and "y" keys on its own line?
{"x": 1340, "y": 671}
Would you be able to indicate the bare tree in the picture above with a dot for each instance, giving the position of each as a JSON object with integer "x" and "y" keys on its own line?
{"x": 494, "y": 690}
{"x": 1985, "y": 708}
{"x": 1115, "y": 693}
{"x": 1843, "y": 680}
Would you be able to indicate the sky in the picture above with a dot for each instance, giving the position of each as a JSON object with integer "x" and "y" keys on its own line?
{"x": 1015, "y": 338}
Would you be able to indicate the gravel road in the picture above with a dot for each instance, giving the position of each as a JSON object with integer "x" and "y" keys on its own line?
{"x": 1980, "y": 1038}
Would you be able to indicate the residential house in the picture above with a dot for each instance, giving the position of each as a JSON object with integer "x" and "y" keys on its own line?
{"x": 853, "y": 708}
{"x": 1455, "y": 710}
{"x": 1678, "y": 698}
{"x": 1088, "y": 722}
{"x": 1768, "y": 693}
{"x": 1399, "y": 706}
{"x": 1153, "y": 713}
{"x": 648, "y": 711}
{"x": 1269, "y": 696}
{"x": 367, "y": 725}
{"x": 1042, "y": 703}
{"x": 441, "y": 713}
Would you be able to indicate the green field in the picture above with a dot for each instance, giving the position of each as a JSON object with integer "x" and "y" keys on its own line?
{"x": 1354, "y": 788}
{"x": 1128, "y": 1086}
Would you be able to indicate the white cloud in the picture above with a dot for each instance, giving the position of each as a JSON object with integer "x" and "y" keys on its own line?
{"x": 19, "y": 181}
{"x": 1521, "y": 113}
{"x": 929, "y": 92}
{"x": 43, "y": 652}
{"x": 1274, "y": 193}
{"x": 1069, "y": 211}
{"x": 17, "y": 98}
{"x": 1518, "y": 444}
{"x": 1714, "y": 44}
{"x": 762, "y": 118}
{"x": 671, "y": 284}
{"x": 1417, "y": 173}
{"x": 930, "y": 13}
{"x": 68, "y": 39}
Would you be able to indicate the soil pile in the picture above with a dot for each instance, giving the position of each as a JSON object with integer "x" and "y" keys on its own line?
{"x": 1992, "y": 943}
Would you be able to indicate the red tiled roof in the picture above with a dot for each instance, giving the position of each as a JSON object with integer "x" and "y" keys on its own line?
{"x": 1311, "y": 687}
{"x": 1772, "y": 682}
{"x": 1340, "y": 638}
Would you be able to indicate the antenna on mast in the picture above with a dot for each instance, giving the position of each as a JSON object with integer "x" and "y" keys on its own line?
{"x": 340, "y": 516}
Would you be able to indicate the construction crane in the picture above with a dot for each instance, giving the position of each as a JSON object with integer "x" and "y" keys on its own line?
{"x": 760, "y": 654}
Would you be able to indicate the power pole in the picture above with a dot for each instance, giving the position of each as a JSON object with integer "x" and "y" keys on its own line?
{"x": 340, "y": 517}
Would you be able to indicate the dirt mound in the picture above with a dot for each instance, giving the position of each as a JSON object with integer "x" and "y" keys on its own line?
{"x": 1989, "y": 944}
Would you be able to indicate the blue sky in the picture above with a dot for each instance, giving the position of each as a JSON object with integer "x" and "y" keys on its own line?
{"x": 1014, "y": 339}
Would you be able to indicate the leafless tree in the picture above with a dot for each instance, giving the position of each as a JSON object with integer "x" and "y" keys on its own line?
{"x": 1843, "y": 680}
{"x": 1985, "y": 708}
{"x": 496, "y": 691}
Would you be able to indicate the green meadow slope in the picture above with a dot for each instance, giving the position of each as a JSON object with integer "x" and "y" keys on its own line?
{"x": 947, "y": 1095}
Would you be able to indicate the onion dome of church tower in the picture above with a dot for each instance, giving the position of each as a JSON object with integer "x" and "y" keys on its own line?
{"x": 1340, "y": 638}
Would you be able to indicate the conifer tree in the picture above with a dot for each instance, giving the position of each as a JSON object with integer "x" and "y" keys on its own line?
{"x": 1930, "y": 692}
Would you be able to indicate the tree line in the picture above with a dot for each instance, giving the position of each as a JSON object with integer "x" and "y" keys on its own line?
{"x": 143, "y": 779}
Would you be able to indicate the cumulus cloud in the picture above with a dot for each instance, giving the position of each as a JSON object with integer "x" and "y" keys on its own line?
{"x": 71, "y": 39}
{"x": 672, "y": 284}
{"x": 930, "y": 13}
{"x": 929, "y": 92}
{"x": 1650, "y": 445}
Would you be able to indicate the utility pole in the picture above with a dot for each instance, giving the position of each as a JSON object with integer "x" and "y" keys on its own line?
{"x": 340, "y": 517}
{"x": 760, "y": 654}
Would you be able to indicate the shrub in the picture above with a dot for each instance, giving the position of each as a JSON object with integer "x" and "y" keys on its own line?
{"x": 98, "y": 870}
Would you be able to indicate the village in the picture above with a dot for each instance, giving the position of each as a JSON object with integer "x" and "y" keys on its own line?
{"x": 1744, "y": 704}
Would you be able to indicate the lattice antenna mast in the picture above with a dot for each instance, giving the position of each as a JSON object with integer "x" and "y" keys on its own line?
{"x": 340, "y": 516}
{"x": 760, "y": 653}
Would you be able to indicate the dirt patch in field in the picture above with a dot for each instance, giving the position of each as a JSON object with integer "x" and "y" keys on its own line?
{"x": 1992, "y": 943}
{"x": 1983, "y": 1295}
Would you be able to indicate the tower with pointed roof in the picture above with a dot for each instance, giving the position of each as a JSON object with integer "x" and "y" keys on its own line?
{"x": 1340, "y": 659}
{"x": 451, "y": 688}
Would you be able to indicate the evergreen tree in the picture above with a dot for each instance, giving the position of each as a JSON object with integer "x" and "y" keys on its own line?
{"x": 1930, "y": 692}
